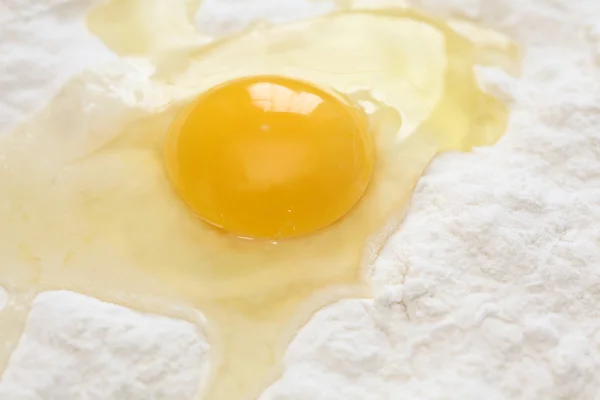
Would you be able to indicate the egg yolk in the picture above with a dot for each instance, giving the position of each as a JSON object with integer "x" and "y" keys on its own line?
{"x": 270, "y": 157}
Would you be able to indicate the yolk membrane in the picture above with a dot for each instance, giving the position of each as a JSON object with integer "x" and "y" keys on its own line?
{"x": 270, "y": 157}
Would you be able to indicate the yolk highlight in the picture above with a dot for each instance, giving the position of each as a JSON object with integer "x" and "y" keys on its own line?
{"x": 270, "y": 157}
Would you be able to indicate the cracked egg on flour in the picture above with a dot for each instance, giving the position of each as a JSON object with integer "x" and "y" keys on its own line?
{"x": 250, "y": 178}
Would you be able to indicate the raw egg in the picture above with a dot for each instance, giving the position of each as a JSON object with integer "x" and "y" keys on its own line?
{"x": 142, "y": 188}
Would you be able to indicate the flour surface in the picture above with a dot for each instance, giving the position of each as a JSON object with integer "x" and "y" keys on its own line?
{"x": 42, "y": 44}
{"x": 489, "y": 290}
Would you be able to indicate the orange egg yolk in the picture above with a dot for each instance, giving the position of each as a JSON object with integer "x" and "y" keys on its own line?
{"x": 270, "y": 157}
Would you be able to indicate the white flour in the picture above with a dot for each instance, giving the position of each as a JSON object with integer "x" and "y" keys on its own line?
{"x": 490, "y": 290}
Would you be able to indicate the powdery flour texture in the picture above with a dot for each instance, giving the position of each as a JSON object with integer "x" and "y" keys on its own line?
{"x": 489, "y": 290}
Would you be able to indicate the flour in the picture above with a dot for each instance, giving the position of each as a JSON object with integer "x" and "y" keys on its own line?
{"x": 74, "y": 345}
{"x": 216, "y": 15}
{"x": 42, "y": 44}
{"x": 490, "y": 289}
{"x": 3, "y": 298}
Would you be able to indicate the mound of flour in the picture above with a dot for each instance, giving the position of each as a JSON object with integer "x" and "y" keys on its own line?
{"x": 489, "y": 290}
